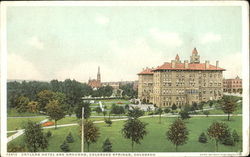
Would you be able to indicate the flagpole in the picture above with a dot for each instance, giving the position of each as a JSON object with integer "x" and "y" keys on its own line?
{"x": 82, "y": 130}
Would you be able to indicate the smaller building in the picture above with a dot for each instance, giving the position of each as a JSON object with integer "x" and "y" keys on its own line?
{"x": 96, "y": 83}
{"x": 232, "y": 85}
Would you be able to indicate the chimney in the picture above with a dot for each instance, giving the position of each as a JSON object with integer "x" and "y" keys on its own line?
{"x": 206, "y": 64}
{"x": 217, "y": 64}
{"x": 186, "y": 64}
{"x": 173, "y": 63}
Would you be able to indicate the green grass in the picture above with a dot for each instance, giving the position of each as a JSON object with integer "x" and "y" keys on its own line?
{"x": 18, "y": 123}
{"x": 154, "y": 141}
{"x": 219, "y": 111}
{"x": 13, "y": 113}
{"x": 11, "y": 133}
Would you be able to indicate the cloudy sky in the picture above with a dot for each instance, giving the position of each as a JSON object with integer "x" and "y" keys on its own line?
{"x": 47, "y": 43}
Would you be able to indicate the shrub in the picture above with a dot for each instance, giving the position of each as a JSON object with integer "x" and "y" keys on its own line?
{"x": 203, "y": 138}
{"x": 16, "y": 148}
{"x": 151, "y": 113}
{"x": 174, "y": 107}
{"x": 48, "y": 134}
{"x": 228, "y": 140}
{"x": 64, "y": 147}
{"x": 235, "y": 136}
{"x": 70, "y": 138}
{"x": 166, "y": 110}
{"x": 108, "y": 122}
{"x": 107, "y": 146}
{"x": 206, "y": 113}
{"x": 184, "y": 114}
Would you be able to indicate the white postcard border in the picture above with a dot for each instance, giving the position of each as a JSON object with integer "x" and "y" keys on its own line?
{"x": 245, "y": 59}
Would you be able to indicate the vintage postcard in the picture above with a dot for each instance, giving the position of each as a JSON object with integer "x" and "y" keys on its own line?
{"x": 125, "y": 78}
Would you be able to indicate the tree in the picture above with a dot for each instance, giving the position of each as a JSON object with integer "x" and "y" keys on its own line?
{"x": 70, "y": 138}
{"x": 166, "y": 110}
{"x": 34, "y": 137}
{"x": 54, "y": 111}
{"x": 107, "y": 146}
{"x": 126, "y": 107}
{"x": 195, "y": 106}
{"x": 203, "y": 138}
{"x": 105, "y": 91}
{"x": 65, "y": 147}
{"x": 200, "y": 106}
{"x": 235, "y": 136}
{"x": 149, "y": 109}
{"x": 74, "y": 91}
{"x": 184, "y": 114}
{"x": 98, "y": 110}
{"x": 210, "y": 104}
{"x": 128, "y": 90}
{"x": 43, "y": 98}
{"x": 228, "y": 106}
{"x": 33, "y": 106}
{"x": 174, "y": 107}
{"x": 177, "y": 133}
{"x": 206, "y": 113}
{"x": 22, "y": 104}
{"x": 108, "y": 122}
{"x": 228, "y": 140}
{"x": 159, "y": 111}
{"x": 117, "y": 109}
{"x": 104, "y": 113}
{"x": 91, "y": 133}
{"x": 87, "y": 110}
{"x": 135, "y": 113}
{"x": 217, "y": 131}
{"x": 135, "y": 130}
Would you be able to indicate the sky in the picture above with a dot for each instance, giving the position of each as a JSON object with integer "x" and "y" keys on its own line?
{"x": 60, "y": 42}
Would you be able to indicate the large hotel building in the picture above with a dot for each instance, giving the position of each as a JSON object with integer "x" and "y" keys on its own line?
{"x": 181, "y": 83}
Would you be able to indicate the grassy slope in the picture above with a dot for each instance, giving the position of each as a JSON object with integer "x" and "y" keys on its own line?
{"x": 155, "y": 141}
{"x": 18, "y": 123}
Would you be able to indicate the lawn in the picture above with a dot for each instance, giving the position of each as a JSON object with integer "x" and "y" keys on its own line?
{"x": 13, "y": 113}
{"x": 18, "y": 123}
{"x": 217, "y": 110}
{"x": 11, "y": 133}
{"x": 154, "y": 141}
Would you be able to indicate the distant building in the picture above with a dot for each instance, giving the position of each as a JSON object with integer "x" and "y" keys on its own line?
{"x": 181, "y": 83}
{"x": 117, "y": 84}
{"x": 95, "y": 83}
{"x": 232, "y": 85}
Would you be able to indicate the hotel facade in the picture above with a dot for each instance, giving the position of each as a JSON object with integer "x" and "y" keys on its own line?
{"x": 181, "y": 83}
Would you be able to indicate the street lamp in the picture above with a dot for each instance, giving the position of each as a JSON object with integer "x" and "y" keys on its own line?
{"x": 82, "y": 130}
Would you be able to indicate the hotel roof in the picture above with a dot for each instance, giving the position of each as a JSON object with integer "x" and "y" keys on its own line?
{"x": 191, "y": 66}
{"x": 146, "y": 71}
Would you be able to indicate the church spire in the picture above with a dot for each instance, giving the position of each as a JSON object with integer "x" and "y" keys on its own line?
{"x": 99, "y": 74}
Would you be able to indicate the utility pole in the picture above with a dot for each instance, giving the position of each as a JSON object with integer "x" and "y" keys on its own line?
{"x": 82, "y": 130}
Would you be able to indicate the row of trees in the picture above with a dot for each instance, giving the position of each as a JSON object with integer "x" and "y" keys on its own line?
{"x": 71, "y": 90}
